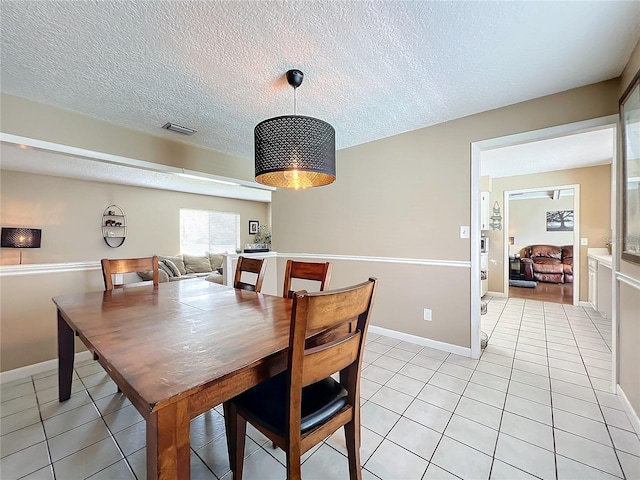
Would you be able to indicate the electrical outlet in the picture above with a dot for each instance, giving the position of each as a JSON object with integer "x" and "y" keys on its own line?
{"x": 464, "y": 231}
{"x": 427, "y": 314}
{"x": 584, "y": 241}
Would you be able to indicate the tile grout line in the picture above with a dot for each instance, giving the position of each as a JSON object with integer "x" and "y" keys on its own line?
{"x": 44, "y": 430}
{"x": 47, "y": 438}
{"x": 553, "y": 417}
{"x": 429, "y": 460}
{"x": 87, "y": 446}
{"x": 556, "y": 316}
{"x": 567, "y": 319}
{"x": 111, "y": 434}
{"x": 599, "y": 332}
{"x": 615, "y": 450}
{"x": 442, "y": 434}
{"x": 504, "y": 405}
{"x": 384, "y": 437}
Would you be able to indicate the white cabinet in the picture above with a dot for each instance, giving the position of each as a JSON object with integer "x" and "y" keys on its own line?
{"x": 604, "y": 290}
{"x": 593, "y": 283}
{"x": 484, "y": 274}
{"x": 484, "y": 211}
{"x": 600, "y": 286}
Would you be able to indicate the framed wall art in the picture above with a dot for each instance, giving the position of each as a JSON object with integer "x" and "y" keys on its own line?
{"x": 560, "y": 221}
{"x": 254, "y": 226}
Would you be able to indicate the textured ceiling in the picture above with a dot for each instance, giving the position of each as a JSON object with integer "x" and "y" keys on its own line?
{"x": 372, "y": 69}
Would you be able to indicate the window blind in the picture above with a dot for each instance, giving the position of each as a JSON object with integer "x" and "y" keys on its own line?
{"x": 204, "y": 231}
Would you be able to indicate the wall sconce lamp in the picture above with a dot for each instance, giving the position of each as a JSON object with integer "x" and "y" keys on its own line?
{"x": 496, "y": 218}
{"x": 20, "y": 238}
{"x": 512, "y": 240}
{"x": 294, "y": 151}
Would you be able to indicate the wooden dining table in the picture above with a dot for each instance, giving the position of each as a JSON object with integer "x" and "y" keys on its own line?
{"x": 176, "y": 351}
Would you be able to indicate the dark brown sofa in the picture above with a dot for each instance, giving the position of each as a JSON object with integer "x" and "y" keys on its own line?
{"x": 548, "y": 263}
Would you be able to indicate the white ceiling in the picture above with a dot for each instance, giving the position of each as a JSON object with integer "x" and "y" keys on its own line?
{"x": 372, "y": 68}
{"x": 585, "y": 149}
{"x": 552, "y": 194}
{"x": 123, "y": 172}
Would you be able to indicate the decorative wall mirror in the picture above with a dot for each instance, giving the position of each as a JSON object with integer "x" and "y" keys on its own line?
{"x": 630, "y": 121}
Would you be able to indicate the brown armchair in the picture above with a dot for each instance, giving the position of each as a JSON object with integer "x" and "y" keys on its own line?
{"x": 548, "y": 263}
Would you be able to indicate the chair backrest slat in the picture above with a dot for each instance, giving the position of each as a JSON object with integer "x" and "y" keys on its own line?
{"x": 340, "y": 307}
{"x": 250, "y": 265}
{"x": 319, "y": 272}
{"x": 324, "y": 360}
{"x": 128, "y": 265}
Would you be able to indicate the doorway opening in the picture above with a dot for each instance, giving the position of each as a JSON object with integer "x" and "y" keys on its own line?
{"x": 477, "y": 151}
{"x": 542, "y": 254}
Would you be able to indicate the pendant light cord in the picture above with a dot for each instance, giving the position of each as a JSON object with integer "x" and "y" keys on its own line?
{"x": 294, "y": 101}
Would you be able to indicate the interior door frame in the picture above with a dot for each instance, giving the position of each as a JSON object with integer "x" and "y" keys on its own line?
{"x": 576, "y": 235}
{"x": 476, "y": 150}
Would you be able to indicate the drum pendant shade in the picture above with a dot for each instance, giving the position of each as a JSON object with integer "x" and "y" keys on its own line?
{"x": 294, "y": 151}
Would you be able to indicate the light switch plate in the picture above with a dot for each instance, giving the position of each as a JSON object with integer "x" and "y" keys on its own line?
{"x": 584, "y": 241}
{"x": 464, "y": 231}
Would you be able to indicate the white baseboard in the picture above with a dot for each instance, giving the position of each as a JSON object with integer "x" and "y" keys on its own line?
{"x": 22, "y": 372}
{"x": 427, "y": 342}
{"x": 585, "y": 304}
{"x": 631, "y": 413}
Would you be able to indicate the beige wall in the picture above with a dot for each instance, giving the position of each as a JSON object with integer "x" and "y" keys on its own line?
{"x": 403, "y": 196}
{"x": 35, "y": 120}
{"x": 406, "y": 196}
{"x": 528, "y": 222}
{"x": 629, "y": 297}
{"x": 628, "y": 341}
{"x": 402, "y": 309}
{"x": 595, "y": 214}
{"x": 28, "y": 316}
{"x": 70, "y": 213}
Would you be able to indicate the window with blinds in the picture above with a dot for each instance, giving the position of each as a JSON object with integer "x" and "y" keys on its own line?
{"x": 204, "y": 231}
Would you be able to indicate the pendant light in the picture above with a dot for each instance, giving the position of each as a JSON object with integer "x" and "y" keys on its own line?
{"x": 294, "y": 151}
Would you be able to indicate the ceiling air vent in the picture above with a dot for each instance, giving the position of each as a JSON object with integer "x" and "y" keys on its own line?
{"x": 174, "y": 127}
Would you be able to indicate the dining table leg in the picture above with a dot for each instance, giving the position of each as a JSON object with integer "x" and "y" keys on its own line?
{"x": 65, "y": 358}
{"x": 168, "y": 454}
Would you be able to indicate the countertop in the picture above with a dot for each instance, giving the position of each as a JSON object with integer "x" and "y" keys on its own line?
{"x": 601, "y": 255}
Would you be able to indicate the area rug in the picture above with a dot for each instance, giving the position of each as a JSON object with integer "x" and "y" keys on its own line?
{"x": 523, "y": 283}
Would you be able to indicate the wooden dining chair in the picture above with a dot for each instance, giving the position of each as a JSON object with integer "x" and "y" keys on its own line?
{"x": 319, "y": 272}
{"x": 250, "y": 265}
{"x": 303, "y": 405}
{"x": 128, "y": 265}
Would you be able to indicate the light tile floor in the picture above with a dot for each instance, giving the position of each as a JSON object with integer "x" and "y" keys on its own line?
{"x": 537, "y": 404}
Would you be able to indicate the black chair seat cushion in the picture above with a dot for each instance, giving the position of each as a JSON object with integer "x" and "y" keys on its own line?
{"x": 265, "y": 403}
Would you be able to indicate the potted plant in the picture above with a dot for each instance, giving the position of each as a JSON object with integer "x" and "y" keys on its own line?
{"x": 263, "y": 236}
